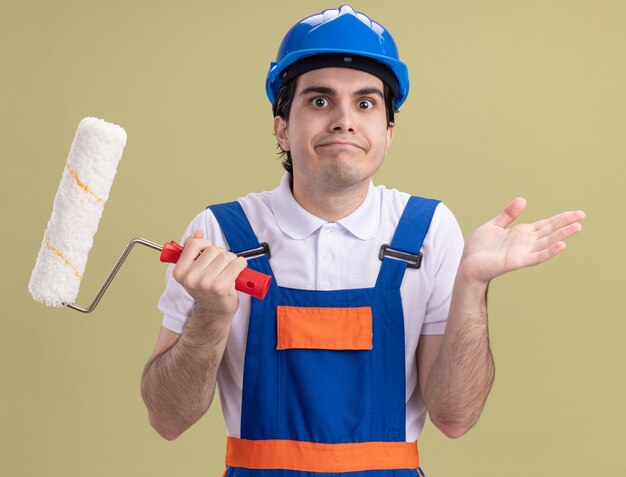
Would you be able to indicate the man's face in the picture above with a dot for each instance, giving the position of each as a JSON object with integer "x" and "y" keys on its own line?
{"x": 337, "y": 132}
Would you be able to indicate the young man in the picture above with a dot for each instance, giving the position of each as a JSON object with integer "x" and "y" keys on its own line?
{"x": 356, "y": 340}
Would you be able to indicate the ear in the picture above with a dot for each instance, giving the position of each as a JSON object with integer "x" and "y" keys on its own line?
{"x": 280, "y": 131}
{"x": 390, "y": 133}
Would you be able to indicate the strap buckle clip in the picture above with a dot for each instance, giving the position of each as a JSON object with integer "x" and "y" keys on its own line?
{"x": 412, "y": 260}
{"x": 264, "y": 249}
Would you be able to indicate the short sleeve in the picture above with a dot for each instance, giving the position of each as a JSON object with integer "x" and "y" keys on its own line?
{"x": 446, "y": 241}
{"x": 175, "y": 302}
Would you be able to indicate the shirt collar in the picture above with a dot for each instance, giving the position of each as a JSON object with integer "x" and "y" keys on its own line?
{"x": 299, "y": 223}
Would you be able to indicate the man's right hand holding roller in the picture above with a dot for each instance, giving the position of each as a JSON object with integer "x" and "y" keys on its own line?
{"x": 178, "y": 383}
{"x": 208, "y": 274}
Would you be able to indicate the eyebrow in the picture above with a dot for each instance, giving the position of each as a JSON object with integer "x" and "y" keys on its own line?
{"x": 332, "y": 92}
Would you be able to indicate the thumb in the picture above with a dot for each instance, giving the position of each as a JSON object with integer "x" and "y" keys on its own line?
{"x": 510, "y": 212}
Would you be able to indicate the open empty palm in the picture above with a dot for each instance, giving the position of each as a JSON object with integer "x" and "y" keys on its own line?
{"x": 498, "y": 246}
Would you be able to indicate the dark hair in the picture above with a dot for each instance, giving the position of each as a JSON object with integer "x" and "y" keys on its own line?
{"x": 282, "y": 107}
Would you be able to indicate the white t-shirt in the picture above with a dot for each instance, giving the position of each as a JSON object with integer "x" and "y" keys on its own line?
{"x": 311, "y": 254}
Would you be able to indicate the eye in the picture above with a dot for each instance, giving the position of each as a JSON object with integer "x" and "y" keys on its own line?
{"x": 319, "y": 102}
{"x": 366, "y": 104}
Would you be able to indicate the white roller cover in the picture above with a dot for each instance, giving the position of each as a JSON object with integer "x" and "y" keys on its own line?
{"x": 84, "y": 189}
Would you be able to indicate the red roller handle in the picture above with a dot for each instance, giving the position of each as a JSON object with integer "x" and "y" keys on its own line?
{"x": 249, "y": 281}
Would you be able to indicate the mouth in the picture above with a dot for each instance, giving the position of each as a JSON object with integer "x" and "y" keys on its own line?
{"x": 341, "y": 144}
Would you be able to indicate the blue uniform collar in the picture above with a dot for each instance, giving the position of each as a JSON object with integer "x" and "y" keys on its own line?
{"x": 298, "y": 223}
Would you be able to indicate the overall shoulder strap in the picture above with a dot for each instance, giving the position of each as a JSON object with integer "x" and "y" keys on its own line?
{"x": 239, "y": 233}
{"x": 408, "y": 238}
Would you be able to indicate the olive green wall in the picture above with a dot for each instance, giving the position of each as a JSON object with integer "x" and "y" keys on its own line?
{"x": 508, "y": 98}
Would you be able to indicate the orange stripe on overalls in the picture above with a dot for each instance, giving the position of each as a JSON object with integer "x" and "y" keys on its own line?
{"x": 317, "y": 457}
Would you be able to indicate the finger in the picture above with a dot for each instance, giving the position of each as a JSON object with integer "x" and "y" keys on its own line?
{"x": 510, "y": 212}
{"x": 222, "y": 271}
{"x": 203, "y": 271}
{"x": 193, "y": 248}
{"x": 558, "y": 236}
{"x": 234, "y": 268}
{"x": 215, "y": 260}
{"x": 547, "y": 226}
{"x": 546, "y": 254}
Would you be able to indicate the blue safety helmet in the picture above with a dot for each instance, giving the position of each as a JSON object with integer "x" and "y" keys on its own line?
{"x": 339, "y": 37}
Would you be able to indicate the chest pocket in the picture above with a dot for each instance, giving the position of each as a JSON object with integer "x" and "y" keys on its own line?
{"x": 325, "y": 358}
{"x": 324, "y": 328}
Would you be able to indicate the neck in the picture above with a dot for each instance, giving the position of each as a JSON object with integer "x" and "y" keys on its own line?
{"x": 328, "y": 203}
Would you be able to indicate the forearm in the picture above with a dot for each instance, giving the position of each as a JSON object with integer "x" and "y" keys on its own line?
{"x": 463, "y": 372}
{"x": 178, "y": 385}
{"x": 456, "y": 386}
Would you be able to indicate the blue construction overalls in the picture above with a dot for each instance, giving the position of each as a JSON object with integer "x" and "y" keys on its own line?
{"x": 324, "y": 374}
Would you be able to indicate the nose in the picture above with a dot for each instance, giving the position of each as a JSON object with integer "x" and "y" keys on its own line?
{"x": 342, "y": 119}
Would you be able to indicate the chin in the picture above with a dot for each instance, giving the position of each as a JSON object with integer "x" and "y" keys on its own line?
{"x": 339, "y": 176}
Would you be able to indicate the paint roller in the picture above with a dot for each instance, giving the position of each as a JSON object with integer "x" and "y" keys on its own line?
{"x": 84, "y": 189}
